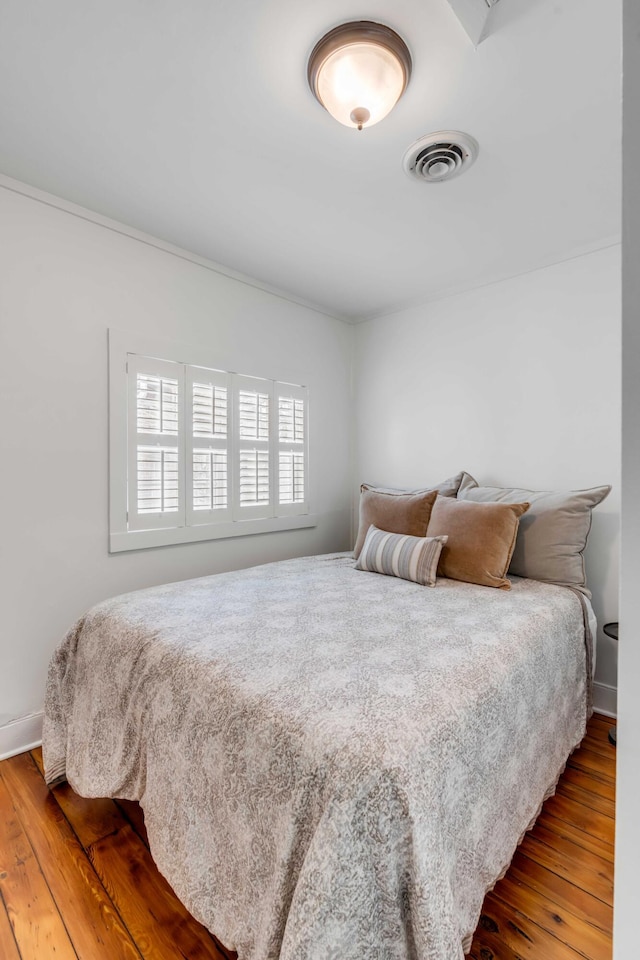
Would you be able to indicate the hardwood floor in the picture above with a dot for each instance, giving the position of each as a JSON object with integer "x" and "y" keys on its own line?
{"x": 77, "y": 879}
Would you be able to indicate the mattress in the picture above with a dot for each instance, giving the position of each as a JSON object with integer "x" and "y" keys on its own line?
{"x": 331, "y": 763}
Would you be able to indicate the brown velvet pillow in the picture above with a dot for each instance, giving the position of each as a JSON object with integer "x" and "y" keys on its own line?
{"x": 480, "y": 542}
{"x": 394, "y": 512}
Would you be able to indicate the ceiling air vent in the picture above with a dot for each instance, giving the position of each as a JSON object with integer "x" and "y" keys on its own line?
{"x": 440, "y": 156}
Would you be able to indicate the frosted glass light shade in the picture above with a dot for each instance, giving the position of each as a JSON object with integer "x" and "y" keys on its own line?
{"x": 359, "y": 71}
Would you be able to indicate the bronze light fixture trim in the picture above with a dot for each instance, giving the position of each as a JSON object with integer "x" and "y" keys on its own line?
{"x": 358, "y": 72}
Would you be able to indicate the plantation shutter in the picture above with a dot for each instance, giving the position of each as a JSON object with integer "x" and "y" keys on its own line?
{"x": 253, "y": 432}
{"x": 208, "y": 457}
{"x": 209, "y": 449}
{"x": 292, "y": 449}
{"x": 155, "y": 482}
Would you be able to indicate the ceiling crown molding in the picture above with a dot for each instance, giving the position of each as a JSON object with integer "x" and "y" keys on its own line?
{"x": 116, "y": 226}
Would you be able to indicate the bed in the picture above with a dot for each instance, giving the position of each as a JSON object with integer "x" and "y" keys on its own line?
{"x": 331, "y": 763}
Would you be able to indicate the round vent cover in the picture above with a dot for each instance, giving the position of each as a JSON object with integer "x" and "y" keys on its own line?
{"x": 440, "y": 156}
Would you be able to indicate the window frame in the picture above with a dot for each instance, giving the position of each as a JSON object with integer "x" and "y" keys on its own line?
{"x": 193, "y": 526}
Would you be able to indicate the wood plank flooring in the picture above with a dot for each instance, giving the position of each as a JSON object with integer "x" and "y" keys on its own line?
{"x": 555, "y": 903}
{"x": 77, "y": 881}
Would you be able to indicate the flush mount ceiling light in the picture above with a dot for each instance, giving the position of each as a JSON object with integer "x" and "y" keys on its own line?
{"x": 359, "y": 71}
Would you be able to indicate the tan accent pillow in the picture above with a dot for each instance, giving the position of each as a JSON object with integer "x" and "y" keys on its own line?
{"x": 481, "y": 539}
{"x": 394, "y": 512}
{"x": 553, "y": 535}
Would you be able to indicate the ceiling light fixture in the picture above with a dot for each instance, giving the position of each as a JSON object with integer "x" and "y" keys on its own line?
{"x": 358, "y": 72}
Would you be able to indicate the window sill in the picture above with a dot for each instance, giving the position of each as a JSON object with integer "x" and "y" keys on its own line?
{"x": 143, "y": 539}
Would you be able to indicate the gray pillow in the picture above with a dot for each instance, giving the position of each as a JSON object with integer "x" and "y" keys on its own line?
{"x": 446, "y": 488}
{"x": 552, "y": 533}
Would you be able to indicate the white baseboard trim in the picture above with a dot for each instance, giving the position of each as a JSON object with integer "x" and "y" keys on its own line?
{"x": 20, "y": 735}
{"x": 605, "y": 699}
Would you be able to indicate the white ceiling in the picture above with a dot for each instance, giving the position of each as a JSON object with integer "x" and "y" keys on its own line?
{"x": 192, "y": 120}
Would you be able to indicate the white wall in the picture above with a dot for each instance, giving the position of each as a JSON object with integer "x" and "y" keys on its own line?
{"x": 64, "y": 280}
{"x": 519, "y": 384}
{"x": 625, "y": 934}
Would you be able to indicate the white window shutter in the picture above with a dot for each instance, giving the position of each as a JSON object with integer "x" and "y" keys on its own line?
{"x": 155, "y": 488}
{"x": 292, "y": 460}
{"x": 197, "y": 453}
{"x": 254, "y": 410}
{"x": 208, "y": 438}
{"x": 254, "y": 466}
{"x": 291, "y": 477}
{"x": 253, "y": 486}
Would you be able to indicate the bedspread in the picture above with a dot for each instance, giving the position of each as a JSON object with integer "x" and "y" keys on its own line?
{"x": 331, "y": 763}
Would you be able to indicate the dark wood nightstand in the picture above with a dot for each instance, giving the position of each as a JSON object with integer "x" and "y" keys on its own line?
{"x": 611, "y": 630}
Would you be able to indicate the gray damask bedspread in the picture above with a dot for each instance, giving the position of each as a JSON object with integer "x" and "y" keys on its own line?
{"x": 331, "y": 763}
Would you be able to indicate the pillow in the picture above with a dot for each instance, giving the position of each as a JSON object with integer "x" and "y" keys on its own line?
{"x": 395, "y": 512}
{"x": 388, "y": 514}
{"x": 481, "y": 539}
{"x": 399, "y": 555}
{"x": 552, "y": 536}
{"x": 447, "y": 488}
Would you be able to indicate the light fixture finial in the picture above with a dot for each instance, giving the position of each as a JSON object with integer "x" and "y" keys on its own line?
{"x": 360, "y": 116}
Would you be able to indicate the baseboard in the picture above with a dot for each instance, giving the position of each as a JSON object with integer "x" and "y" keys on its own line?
{"x": 20, "y": 735}
{"x": 605, "y": 699}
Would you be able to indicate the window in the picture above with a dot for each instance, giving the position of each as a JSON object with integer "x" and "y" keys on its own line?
{"x": 198, "y": 453}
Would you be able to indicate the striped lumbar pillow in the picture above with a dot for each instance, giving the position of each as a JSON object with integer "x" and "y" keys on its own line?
{"x": 399, "y": 555}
